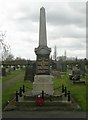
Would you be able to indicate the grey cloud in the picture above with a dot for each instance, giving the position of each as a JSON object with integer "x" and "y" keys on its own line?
{"x": 78, "y": 7}
{"x": 64, "y": 19}
{"x": 57, "y": 14}
{"x": 64, "y": 14}
{"x": 66, "y": 32}
{"x": 69, "y": 43}
{"x": 65, "y": 22}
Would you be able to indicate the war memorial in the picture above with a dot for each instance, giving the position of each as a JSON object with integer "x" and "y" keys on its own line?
{"x": 43, "y": 95}
{"x": 42, "y": 79}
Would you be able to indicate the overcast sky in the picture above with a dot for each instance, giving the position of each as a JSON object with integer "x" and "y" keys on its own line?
{"x": 66, "y": 26}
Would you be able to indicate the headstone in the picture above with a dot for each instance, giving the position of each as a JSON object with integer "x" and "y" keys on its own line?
{"x": 42, "y": 79}
{"x": 82, "y": 68}
{"x": 64, "y": 67}
{"x": 30, "y": 72}
{"x": 3, "y": 71}
{"x": 70, "y": 75}
{"x": 76, "y": 73}
{"x": 18, "y": 67}
{"x": 8, "y": 70}
{"x": 61, "y": 66}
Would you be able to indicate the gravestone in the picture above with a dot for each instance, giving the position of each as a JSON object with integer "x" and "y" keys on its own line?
{"x": 82, "y": 68}
{"x": 8, "y": 69}
{"x": 30, "y": 72}
{"x": 42, "y": 79}
{"x": 61, "y": 66}
{"x": 3, "y": 71}
{"x": 75, "y": 75}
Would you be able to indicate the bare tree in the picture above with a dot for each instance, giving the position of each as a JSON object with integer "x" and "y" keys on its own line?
{"x": 4, "y": 47}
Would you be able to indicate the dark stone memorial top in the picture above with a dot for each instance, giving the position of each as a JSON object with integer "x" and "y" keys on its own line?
{"x": 43, "y": 60}
{"x": 42, "y": 64}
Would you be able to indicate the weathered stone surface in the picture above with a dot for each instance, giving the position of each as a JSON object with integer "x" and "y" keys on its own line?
{"x": 43, "y": 65}
{"x": 42, "y": 28}
{"x": 43, "y": 82}
{"x": 30, "y": 72}
{"x": 42, "y": 50}
{"x": 42, "y": 79}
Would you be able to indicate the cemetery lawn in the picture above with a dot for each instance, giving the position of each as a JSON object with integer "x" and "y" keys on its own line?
{"x": 9, "y": 93}
{"x": 78, "y": 91}
{"x": 10, "y": 75}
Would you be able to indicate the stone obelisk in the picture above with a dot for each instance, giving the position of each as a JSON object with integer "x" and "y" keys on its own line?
{"x": 42, "y": 51}
{"x": 42, "y": 28}
{"x": 42, "y": 79}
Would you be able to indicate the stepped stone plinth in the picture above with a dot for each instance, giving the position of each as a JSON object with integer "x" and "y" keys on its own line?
{"x": 43, "y": 82}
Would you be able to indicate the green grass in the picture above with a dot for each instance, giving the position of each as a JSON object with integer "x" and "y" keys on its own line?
{"x": 11, "y": 75}
{"x": 9, "y": 93}
{"x": 28, "y": 85}
{"x": 77, "y": 91}
{"x": 0, "y": 99}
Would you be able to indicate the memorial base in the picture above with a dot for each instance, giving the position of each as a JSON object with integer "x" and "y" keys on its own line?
{"x": 42, "y": 82}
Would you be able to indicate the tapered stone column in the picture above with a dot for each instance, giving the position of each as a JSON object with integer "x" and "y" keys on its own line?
{"x": 42, "y": 79}
{"x": 42, "y": 28}
{"x": 42, "y": 51}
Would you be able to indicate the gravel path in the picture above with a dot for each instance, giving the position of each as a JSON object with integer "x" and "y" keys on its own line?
{"x": 8, "y": 83}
